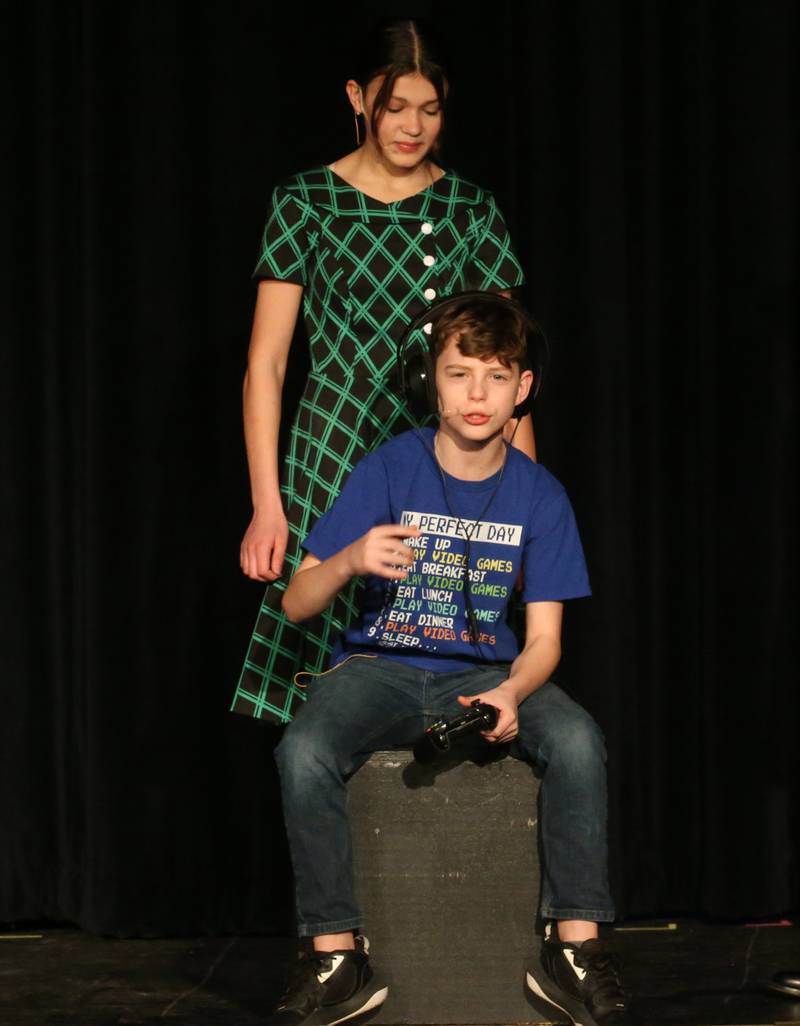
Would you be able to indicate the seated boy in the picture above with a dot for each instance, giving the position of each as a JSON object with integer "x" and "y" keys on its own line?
{"x": 448, "y": 514}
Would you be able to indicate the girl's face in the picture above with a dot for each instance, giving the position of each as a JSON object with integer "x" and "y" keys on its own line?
{"x": 410, "y": 122}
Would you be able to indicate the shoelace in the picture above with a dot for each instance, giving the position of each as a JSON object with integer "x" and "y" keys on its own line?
{"x": 303, "y": 976}
{"x": 605, "y": 972}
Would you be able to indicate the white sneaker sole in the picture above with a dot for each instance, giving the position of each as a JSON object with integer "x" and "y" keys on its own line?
{"x": 374, "y": 1001}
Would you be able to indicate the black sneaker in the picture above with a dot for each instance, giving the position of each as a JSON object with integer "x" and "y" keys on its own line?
{"x": 582, "y": 980}
{"x": 329, "y": 987}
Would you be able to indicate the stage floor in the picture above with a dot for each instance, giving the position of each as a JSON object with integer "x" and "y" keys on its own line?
{"x": 694, "y": 975}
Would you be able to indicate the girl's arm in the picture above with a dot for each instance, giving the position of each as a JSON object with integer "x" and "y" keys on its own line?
{"x": 523, "y": 438}
{"x": 264, "y": 543}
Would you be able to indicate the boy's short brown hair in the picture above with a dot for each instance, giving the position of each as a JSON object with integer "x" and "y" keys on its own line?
{"x": 484, "y": 328}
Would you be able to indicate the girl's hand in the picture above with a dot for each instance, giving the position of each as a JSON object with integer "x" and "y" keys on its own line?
{"x": 264, "y": 545}
{"x": 381, "y": 552}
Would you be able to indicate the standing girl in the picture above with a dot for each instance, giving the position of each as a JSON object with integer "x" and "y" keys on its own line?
{"x": 365, "y": 245}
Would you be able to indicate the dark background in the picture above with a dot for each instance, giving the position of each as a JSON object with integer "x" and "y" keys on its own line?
{"x": 645, "y": 156}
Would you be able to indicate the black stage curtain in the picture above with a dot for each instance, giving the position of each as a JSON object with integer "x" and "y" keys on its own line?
{"x": 645, "y": 156}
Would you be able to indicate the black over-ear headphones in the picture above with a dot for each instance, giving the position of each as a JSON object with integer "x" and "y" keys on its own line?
{"x": 416, "y": 365}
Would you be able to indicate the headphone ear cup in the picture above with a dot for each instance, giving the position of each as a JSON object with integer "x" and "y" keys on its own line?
{"x": 537, "y": 351}
{"x": 419, "y": 383}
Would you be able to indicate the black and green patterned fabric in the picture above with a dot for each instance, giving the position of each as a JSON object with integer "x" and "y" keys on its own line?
{"x": 367, "y": 269}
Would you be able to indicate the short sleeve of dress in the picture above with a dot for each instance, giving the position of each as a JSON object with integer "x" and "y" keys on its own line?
{"x": 493, "y": 263}
{"x": 289, "y": 238}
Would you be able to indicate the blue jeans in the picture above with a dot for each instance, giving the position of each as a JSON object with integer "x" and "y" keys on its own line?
{"x": 366, "y": 704}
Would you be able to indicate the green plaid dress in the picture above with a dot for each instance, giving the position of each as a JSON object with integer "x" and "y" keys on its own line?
{"x": 367, "y": 268}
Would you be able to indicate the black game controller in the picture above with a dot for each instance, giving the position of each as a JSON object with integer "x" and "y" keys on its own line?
{"x": 439, "y": 736}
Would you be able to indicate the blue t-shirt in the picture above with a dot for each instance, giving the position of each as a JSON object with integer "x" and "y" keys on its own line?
{"x": 422, "y": 620}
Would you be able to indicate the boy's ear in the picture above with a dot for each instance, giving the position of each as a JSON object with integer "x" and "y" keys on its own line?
{"x": 523, "y": 391}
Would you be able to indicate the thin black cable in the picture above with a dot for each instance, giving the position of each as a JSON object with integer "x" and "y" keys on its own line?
{"x": 472, "y": 620}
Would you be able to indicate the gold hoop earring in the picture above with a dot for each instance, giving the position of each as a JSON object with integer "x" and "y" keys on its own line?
{"x": 358, "y": 131}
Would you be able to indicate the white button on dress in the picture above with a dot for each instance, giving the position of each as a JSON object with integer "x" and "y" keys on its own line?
{"x": 429, "y": 260}
{"x": 428, "y": 328}
{"x": 426, "y": 227}
{"x": 429, "y": 293}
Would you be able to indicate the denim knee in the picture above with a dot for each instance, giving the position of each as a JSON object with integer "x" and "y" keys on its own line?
{"x": 303, "y": 762}
{"x": 578, "y": 745}
{"x": 551, "y": 722}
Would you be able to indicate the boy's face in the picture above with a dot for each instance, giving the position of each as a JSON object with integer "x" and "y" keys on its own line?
{"x": 477, "y": 397}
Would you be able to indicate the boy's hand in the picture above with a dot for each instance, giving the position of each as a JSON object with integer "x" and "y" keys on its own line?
{"x": 381, "y": 552}
{"x": 507, "y": 726}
